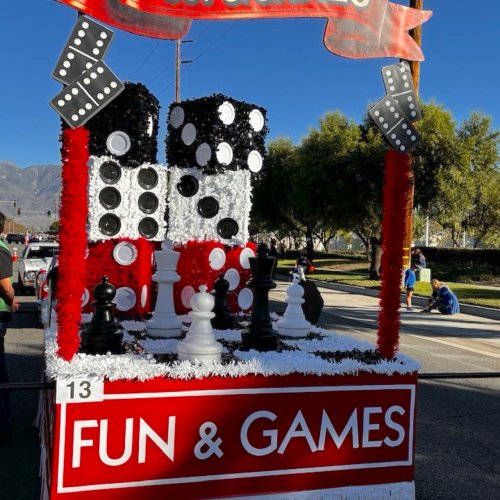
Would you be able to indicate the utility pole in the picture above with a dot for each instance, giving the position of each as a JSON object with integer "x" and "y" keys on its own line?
{"x": 416, "y": 34}
{"x": 178, "y": 63}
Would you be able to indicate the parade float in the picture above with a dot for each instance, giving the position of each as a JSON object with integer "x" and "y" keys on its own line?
{"x": 173, "y": 377}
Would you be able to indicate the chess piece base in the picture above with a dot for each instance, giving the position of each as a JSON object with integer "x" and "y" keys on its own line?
{"x": 164, "y": 329}
{"x": 293, "y": 332}
{"x": 261, "y": 341}
{"x": 191, "y": 351}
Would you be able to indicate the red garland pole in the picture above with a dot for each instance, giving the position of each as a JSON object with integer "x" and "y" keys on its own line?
{"x": 73, "y": 239}
{"x": 393, "y": 232}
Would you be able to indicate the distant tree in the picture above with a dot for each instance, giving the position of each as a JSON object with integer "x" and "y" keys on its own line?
{"x": 54, "y": 226}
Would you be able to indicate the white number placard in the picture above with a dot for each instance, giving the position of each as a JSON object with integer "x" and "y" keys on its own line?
{"x": 79, "y": 390}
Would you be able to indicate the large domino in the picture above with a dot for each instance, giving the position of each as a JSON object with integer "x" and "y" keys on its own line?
{"x": 394, "y": 125}
{"x": 86, "y": 45}
{"x": 87, "y": 95}
{"x": 398, "y": 83}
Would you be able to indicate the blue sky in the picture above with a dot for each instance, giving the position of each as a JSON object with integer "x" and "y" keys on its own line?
{"x": 281, "y": 65}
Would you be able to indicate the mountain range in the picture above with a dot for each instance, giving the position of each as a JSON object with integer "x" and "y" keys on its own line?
{"x": 35, "y": 189}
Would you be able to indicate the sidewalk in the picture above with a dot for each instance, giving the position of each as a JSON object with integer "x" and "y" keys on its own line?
{"x": 479, "y": 311}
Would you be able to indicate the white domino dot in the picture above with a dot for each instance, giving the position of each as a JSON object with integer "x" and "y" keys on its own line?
{"x": 387, "y": 103}
{"x": 95, "y": 52}
{"x": 396, "y": 115}
{"x": 404, "y": 126}
{"x": 402, "y": 148}
{"x": 99, "y": 43}
{"x": 81, "y": 111}
{"x": 381, "y": 119}
{"x": 398, "y": 142}
{"x": 71, "y": 55}
{"x": 103, "y": 35}
{"x": 393, "y": 136}
{"x": 113, "y": 85}
{"x": 74, "y": 118}
{"x": 392, "y": 109}
{"x": 74, "y": 91}
{"x": 405, "y": 77}
{"x": 66, "y": 64}
{"x": 77, "y": 41}
{"x": 388, "y": 72}
{"x": 412, "y": 106}
{"x": 390, "y": 80}
{"x": 100, "y": 69}
{"x": 88, "y": 105}
{"x": 392, "y": 88}
{"x": 93, "y": 75}
{"x": 85, "y": 25}
{"x": 61, "y": 102}
{"x": 100, "y": 96}
{"x": 81, "y": 33}
{"x": 413, "y": 113}
{"x": 406, "y": 85}
{"x": 88, "y": 65}
{"x": 413, "y": 138}
{"x": 408, "y": 132}
{"x": 410, "y": 98}
{"x": 386, "y": 126}
{"x": 106, "y": 90}
{"x": 86, "y": 81}
{"x": 377, "y": 113}
{"x": 63, "y": 72}
{"x": 67, "y": 97}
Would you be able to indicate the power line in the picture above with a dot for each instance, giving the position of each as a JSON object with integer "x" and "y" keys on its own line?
{"x": 146, "y": 59}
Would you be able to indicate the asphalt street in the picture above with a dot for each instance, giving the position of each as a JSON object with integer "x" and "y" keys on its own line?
{"x": 458, "y": 435}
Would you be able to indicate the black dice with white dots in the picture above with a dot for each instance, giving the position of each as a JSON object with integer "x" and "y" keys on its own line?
{"x": 216, "y": 134}
{"x": 127, "y": 129}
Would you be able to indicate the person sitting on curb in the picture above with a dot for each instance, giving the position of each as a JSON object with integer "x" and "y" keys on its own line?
{"x": 442, "y": 299}
{"x": 409, "y": 283}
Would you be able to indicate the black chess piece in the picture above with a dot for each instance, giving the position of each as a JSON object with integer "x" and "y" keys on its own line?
{"x": 260, "y": 334}
{"x": 223, "y": 319}
{"x": 103, "y": 334}
{"x": 313, "y": 302}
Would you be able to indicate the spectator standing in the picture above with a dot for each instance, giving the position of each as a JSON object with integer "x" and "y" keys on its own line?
{"x": 8, "y": 304}
{"x": 442, "y": 299}
{"x": 418, "y": 259}
{"x": 409, "y": 285}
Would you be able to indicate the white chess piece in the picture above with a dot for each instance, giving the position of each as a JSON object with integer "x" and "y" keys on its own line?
{"x": 165, "y": 323}
{"x": 293, "y": 323}
{"x": 200, "y": 342}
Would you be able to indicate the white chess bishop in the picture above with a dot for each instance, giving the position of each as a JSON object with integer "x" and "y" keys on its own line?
{"x": 200, "y": 341}
{"x": 294, "y": 323}
{"x": 165, "y": 323}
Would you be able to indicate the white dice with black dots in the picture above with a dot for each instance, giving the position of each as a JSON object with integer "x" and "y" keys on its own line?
{"x": 125, "y": 202}
{"x": 87, "y": 44}
{"x": 209, "y": 207}
{"x": 213, "y": 145}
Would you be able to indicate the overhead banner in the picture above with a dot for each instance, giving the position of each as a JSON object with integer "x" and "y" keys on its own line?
{"x": 358, "y": 29}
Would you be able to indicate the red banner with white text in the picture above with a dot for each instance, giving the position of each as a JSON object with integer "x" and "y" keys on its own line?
{"x": 355, "y": 28}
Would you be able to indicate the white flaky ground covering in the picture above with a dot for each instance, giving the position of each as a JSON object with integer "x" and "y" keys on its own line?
{"x": 144, "y": 366}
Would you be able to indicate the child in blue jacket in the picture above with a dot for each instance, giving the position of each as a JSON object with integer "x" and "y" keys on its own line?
{"x": 410, "y": 278}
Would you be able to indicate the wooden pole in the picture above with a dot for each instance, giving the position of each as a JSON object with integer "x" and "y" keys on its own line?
{"x": 416, "y": 34}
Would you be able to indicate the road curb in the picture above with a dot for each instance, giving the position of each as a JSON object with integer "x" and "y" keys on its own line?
{"x": 482, "y": 312}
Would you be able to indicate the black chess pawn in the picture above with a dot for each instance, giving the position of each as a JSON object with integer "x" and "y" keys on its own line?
{"x": 103, "y": 334}
{"x": 260, "y": 334}
{"x": 223, "y": 319}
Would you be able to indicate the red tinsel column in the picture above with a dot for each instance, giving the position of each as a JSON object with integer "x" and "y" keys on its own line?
{"x": 393, "y": 229}
{"x": 72, "y": 238}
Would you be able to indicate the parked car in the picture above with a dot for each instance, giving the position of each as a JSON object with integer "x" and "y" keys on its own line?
{"x": 35, "y": 256}
{"x": 45, "y": 292}
{"x": 15, "y": 238}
